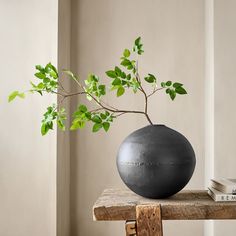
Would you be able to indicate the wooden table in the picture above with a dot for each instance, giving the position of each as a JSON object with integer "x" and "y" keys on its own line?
{"x": 144, "y": 216}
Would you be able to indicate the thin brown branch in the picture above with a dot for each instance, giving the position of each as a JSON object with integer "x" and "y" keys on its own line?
{"x": 108, "y": 105}
{"x": 144, "y": 93}
{"x": 148, "y": 118}
{"x": 54, "y": 92}
{"x": 104, "y": 106}
{"x": 154, "y": 91}
{"x": 61, "y": 86}
{"x": 120, "y": 114}
{"x": 74, "y": 94}
{"x": 98, "y": 109}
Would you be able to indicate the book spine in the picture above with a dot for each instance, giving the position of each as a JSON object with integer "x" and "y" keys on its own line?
{"x": 222, "y": 197}
{"x": 226, "y": 198}
{"x": 223, "y": 188}
{"x": 212, "y": 195}
{"x": 231, "y": 190}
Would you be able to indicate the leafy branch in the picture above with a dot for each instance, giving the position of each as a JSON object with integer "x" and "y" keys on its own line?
{"x": 122, "y": 78}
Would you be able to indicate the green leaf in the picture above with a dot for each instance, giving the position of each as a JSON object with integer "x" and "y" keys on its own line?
{"x": 126, "y": 53}
{"x": 130, "y": 67}
{"x": 40, "y": 75}
{"x": 82, "y": 108}
{"x": 138, "y": 46}
{"x": 61, "y": 117}
{"x": 68, "y": 73}
{"x": 150, "y": 78}
{"x": 71, "y": 75}
{"x": 15, "y": 94}
{"x": 116, "y": 81}
{"x": 89, "y": 97}
{"x": 44, "y": 129}
{"x": 39, "y": 67}
{"x": 126, "y": 62}
{"x": 96, "y": 119}
{"x": 106, "y": 126}
{"x": 40, "y": 92}
{"x": 137, "y": 41}
{"x": 163, "y": 84}
{"x": 140, "y": 52}
{"x": 21, "y": 95}
{"x": 120, "y": 91}
{"x": 88, "y": 115}
{"x": 102, "y": 89}
{"x": 111, "y": 74}
{"x": 153, "y": 77}
{"x": 61, "y": 125}
{"x": 49, "y": 116}
{"x": 176, "y": 85}
{"x": 53, "y": 68}
{"x": 103, "y": 116}
{"x": 168, "y": 83}
{"x": 93, "y": 78}
{"x": 180, "y": 90}
{"x": 128, "y": 77}
{"x": 118, "y": 71}
{"x": 172, "y": 94}
{"x": 77, "y": 124}
{"x": 123, "y": 75}
{"x": 46, "y": 80}
{"x": 53, "y": 74}
{"x": 97, "y": 127}
{"x": 123, "y": 82}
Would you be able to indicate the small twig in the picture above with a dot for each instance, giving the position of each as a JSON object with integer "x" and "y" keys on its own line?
{"x": 148, "y": 118}
{"x": 120, "y": 114}
{"x": 144, "y": 93}
{"x": 104, "y": 106}
{"x": 62, "y": 87}
{"x": 109, "y": 105}
{"x": 51, "y": 91}
{"x": 154, "y": 92}
{"x": 98, "y": 109}
{"x": 73, "y": 94}
{"x": 101, "y": 103}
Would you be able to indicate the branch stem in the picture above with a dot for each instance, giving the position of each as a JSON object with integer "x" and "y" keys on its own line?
{"x": 144, "y": 93}
{"x": 154, "y": 91}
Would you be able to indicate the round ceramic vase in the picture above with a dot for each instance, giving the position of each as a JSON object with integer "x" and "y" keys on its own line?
{"x": 156, "y": 161}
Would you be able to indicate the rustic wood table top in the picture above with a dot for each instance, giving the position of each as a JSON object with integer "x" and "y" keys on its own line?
{"x": 117, "y": 204}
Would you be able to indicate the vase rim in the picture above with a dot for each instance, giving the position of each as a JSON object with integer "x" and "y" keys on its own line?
{"x": 158, "y": 125}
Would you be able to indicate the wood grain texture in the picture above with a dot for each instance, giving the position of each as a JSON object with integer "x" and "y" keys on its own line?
{"x": 116, "y": 204}
{"x": 149, "y": 222}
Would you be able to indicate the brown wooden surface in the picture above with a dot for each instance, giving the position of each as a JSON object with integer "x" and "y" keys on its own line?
{"x": 148, "y": 218}
{"x": 116, "y": 204}
{"x": 130, "y": 228}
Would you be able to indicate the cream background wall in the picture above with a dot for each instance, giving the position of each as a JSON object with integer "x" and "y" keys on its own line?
{"x": 28, "y": 36}
{"x": 188, "y": 41}
{"x": 225, "y": 112}
{"x": 173, "y": 34}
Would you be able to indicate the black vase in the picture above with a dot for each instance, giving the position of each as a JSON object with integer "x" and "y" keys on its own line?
{"x": 156, "y": 161}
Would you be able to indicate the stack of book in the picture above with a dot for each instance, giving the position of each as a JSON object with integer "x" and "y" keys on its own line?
{"x": 223, "y": 190}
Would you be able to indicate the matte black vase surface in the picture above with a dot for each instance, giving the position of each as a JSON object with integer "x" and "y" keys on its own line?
{"x": 156, "y": 161}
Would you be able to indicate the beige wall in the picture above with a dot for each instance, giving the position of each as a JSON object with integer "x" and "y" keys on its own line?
{"x": 225, "y": 112}
{"x": 63, "y": 138}
{"x": 28, "y": 36}
{"x": 178, "y": 41}
{"x": 173, "y": 36}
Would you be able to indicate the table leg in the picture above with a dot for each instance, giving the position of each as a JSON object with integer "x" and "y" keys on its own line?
{"x": 130, "y": 228}
{"x": 148, "y": 220}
